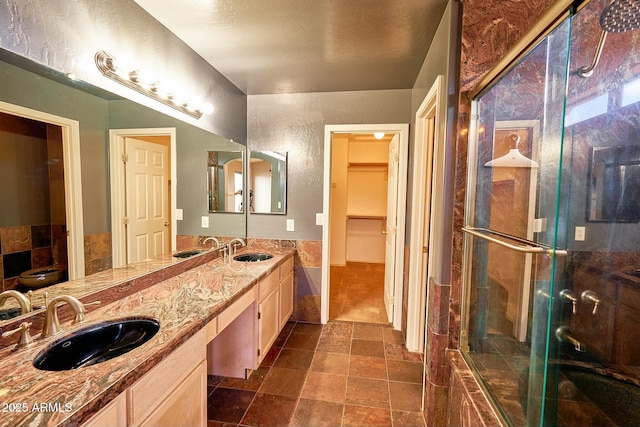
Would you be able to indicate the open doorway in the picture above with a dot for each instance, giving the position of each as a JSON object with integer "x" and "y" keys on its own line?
{"x": 42, "y": 227}
{"x": 364, "y": 221}
{"x": 142, "y": 170}
{"x": 360, "y": 180}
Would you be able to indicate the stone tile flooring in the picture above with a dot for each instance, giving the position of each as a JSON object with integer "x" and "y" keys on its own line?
{"x": 342, "y": 374}
{"x": 357, "y": 293}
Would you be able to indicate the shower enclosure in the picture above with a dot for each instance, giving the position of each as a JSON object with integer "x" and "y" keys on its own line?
{"x": 551, "y": 319}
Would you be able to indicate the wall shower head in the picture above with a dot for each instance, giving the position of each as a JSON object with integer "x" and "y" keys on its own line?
{"x": 621, "y": 16}
{"x": 618, "y": 17}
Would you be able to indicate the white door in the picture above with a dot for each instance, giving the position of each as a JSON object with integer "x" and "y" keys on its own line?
{"x": 426, "y": 226}
{"x": 391, "y": 227}
{"x": 147, "y": 207}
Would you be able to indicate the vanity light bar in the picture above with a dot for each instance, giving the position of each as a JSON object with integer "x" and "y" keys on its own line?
{"x": 107, "y": 66}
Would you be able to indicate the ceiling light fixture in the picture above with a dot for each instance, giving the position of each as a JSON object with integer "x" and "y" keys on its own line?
{"x": 152, "y": 88}
{"x": 378, "y": 135}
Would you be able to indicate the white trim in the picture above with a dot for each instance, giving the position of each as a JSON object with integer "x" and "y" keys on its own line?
{"x": 116, "y": 172}
{"x": 433, "y": 105}
{"x": 72, "y": 181}
{"x": 403, "y": 130}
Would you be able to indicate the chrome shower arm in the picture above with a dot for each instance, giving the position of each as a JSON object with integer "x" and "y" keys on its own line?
{"x": 587, "y": 71}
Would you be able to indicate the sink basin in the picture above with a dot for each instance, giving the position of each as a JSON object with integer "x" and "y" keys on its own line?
{"x": 635, "y": 273}
{"x": 187, "y": 254}
{"x": 96, "y": 343}
{"x": 252, "y": 257}
{"x": 10, "y": 313}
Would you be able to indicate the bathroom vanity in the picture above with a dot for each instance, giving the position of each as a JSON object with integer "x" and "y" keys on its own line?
{"x": 612, "y": 330}
{"x": 162, "y": 382}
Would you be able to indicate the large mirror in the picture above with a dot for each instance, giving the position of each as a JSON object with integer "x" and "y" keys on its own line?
{"x": 614, "y": 184}
{"x": 31, "y": 86}
{"x": 268, "y": 182}
{"x": 225, "y": 181}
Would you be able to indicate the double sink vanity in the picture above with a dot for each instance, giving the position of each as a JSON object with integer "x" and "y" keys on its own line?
{"x": 151, "y": 333}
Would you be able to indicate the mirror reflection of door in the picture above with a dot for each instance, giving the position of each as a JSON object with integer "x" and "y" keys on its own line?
{"x": 267, "y": 182}
{"x": 147, "y": 196}
{"x": 225, "y": 171}
{"x": 261, "y": 186}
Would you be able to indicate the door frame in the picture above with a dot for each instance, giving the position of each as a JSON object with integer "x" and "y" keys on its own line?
{"x": 403, "y": 130}
{"x": 429, "y": 165}
{"x": 72, "y": 181}
{"x": 117, "y": 173}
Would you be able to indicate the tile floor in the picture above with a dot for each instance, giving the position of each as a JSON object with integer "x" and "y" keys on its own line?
{"x": 341, "y": 374}
{"x": 357, "y": 293}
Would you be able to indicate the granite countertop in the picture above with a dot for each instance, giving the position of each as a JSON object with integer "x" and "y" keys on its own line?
{"x": 183, "y": 304}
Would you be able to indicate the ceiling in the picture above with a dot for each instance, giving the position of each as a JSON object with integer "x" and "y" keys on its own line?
{"x": 291, "y": 46}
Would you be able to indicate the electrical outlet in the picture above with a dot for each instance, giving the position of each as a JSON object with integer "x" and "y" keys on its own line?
{"x": 290, "y": 225}
{"x": 179, "y": 214}
{"x": 205, "y": 222}
{"x": 580, "y": 234}
{"x": 319, "y": 219}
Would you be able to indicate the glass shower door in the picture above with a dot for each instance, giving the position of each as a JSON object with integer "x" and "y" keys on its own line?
{"x": 513, "y": 226}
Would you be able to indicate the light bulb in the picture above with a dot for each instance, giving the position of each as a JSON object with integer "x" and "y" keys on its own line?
{"x": 207, "y": 108}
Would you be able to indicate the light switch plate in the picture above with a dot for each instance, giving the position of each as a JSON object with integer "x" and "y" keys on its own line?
{"x": 179, "y": 214}
{"x": 290, "y": 225}
{"x": 205, "y": 222}
{"x": 539, "y": 225}
{"x": 580, "y": 234}
{"x": 319, "y": 219}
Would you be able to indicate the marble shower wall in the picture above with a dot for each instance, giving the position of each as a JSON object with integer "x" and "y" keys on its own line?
{"x": 489, "y": 30}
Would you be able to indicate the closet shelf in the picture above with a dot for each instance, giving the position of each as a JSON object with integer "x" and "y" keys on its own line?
{"x": 368, "y": 165}
{"x": 366, "y": 216}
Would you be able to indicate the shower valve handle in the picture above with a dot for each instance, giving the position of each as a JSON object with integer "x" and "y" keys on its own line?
{"x": 568, "y": 295}
{"x": 591, "y": 296}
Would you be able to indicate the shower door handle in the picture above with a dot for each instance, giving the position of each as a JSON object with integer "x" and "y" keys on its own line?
{"x": 525, "y": 246}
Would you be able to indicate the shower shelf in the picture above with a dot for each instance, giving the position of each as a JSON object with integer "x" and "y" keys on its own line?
{"x": 525, "y": 247}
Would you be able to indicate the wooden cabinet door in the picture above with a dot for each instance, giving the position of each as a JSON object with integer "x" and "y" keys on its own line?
{"x": 186, "y": 406}
{"x": 155, "y": 387}
{"x": 268, "y": 322}
{"x": 627, "y": 336}
{"x": 286, "y": 299}
{"x": 112, "y": 415}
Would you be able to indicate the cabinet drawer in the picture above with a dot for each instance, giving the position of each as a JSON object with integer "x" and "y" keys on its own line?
{"x": 584, "y": 280}
{"x": 144, "y": 396}
{"x": 234, "y": 310}
{"x": 269, "y": 283}
{"x": 286, "y": 268}
{"x": 630, "y": 296}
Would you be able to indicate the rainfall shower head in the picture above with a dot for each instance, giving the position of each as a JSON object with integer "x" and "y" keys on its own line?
{"x": 621, "y": 16}
{"x": 618, "y": 17}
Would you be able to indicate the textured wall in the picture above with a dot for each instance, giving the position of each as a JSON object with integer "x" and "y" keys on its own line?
{"x": 65, "y": 35}
{"x": 295, "y": 123}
